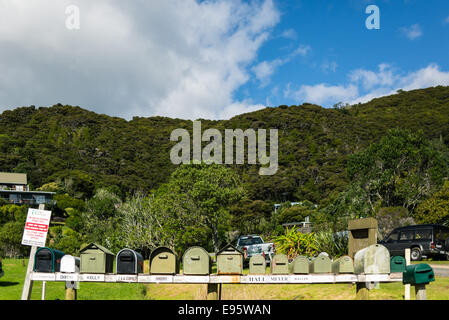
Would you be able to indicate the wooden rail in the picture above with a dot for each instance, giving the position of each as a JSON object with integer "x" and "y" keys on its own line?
{"x": 238, "y": 279}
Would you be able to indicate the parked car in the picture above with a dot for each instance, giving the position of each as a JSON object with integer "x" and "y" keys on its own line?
{"x": 429, "y": 240}
{"x": 254, "y": 245}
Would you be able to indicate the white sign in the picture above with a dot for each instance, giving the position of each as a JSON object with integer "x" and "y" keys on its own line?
{"x": 43, "y": 276}
{"x": 300, "y": 278}
{"x": 36, "y": 227}
{"x": 190, "y": 279}
{"x": 66, "y": 276}
{"x": 91, "y": 277}
{"x": 126, "y": 278}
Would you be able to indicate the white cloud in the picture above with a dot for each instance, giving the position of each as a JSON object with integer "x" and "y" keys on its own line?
{"x": 179, "y": 58}
{"x": 429, "y": 76}
{"x": 264, "y": 70}
{"x": 289, "y": 34}
{"x": 364, "y": 85}
{"x": 323, "y": 94}
{"x": 302, "y": 50}
{"x": 327, "y": 66}
{"x": 412, "y": 32}
{"x": 370, "y": 79}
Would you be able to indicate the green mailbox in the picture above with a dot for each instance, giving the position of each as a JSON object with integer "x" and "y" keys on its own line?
{"x": 320, "y": 264}
{"x": 96, "y": 259}
{"x": 279, "y": 264}
{"x": 343, "y": 264}
{"x": 397, "y": 264}
{"x": 196, "y": 261}
{"x": 163, "y": 261}
{"x": 257, "y": 264}
{"x": 418, "y": 274}
{"x": 300, "y": 265}
{"x": 229, "y": 260}
{"x": 47, "y": 260}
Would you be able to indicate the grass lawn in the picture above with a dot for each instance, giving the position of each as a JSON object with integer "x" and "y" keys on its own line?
{"x": 11, "y": 285}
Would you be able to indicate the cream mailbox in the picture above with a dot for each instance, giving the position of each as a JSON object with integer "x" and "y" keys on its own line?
{"x": 320, "y": 264}
{"x": 300, "y": 265}
{"x": 372, "y": 260}
{"x": 343, "y": 264}
{"x": 70, "y": 264}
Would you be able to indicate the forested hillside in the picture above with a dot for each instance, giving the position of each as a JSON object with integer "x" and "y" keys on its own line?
{"x": 115, "y": 183}
{"x": 90, "y": 150}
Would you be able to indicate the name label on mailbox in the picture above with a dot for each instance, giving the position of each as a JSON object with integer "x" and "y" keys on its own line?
{"x": 67, "y": 277}
{"x": 345, "y": 278}
{"x": 296, "y": 278}
{"x": 37, "y": 276}
{"x": 191, "y": 279}
{"x": 225, "y": 279}
{"x": 253, "y": 279}
{"x": 126, "y": 278}
{"x": 161, "y": 279}
{"x": 91, "y": 277}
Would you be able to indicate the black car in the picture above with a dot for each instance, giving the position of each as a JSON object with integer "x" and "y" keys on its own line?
{"x": 429, "y": 240}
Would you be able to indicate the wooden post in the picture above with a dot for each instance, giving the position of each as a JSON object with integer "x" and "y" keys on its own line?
{"x": 362, "y": 292}
{"x": 212, "y": 291}
{"x": 28, "y": 284}
{"x": 70, "y": 294}
{"x": 71, "y": 290}
{"x": 407, "y": 286}
{"x": 420, "y": 292}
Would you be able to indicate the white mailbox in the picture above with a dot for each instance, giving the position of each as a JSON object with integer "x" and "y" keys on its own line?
{"x": 70, "y": 264}
{"x": 374, "y": 259}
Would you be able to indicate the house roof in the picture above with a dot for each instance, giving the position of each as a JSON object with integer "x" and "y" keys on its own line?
{"x": 96, "y": 246}
{"x": 13, "y": 178}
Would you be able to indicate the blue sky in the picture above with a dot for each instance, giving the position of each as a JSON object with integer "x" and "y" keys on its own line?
{"x": 413, "y": 34}
{"x": 216, "y": 59}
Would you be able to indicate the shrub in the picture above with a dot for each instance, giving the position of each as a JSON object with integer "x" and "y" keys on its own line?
{"x": 294, "y": 243}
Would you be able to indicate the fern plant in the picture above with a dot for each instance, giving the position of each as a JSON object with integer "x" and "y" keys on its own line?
{"x": 294, "y": 243}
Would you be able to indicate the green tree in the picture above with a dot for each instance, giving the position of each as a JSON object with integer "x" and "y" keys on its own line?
{"x": 251, "y": 216}
{"x": 12, "y": 223}
{"x": 198, "y": 197}
{"x": 436, "y": 208}
{"x": 101, "y": 219}
{"x": 402, "y": 169}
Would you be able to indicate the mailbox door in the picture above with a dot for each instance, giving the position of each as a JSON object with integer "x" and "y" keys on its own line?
{"x": 300, "y": 265}
{"x": 44, "y": 261}
{"x": 229, "y": 264}
{"x": 196, "y": 261}
{"x": 257, "y": 265}
{"x": 163, "y": 263}
{"x": 397, "y": 264}
{"x": 93, "y": 263}
{"x": 320, "y": 264}
{"x": 279, "y": 264}
{"x": 126, "y": 263}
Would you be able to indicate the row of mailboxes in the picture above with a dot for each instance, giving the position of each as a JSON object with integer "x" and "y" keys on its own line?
{"x": 197, "y": 261}
{"x": 301, "y": 265}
